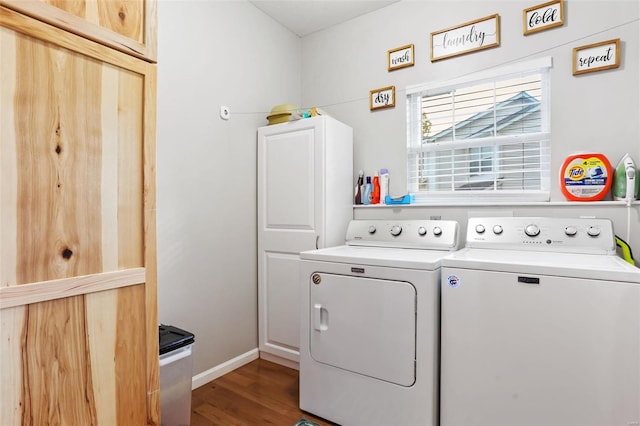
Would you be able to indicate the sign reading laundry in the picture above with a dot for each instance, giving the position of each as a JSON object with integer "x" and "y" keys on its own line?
{"x": 466, "y": 38}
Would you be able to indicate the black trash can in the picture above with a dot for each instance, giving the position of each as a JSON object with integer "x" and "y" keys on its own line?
{"x": 176, "y": 363}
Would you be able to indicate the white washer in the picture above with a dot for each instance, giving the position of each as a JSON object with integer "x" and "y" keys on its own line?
{"x": 540, "y": 326}
{"x": 370, "y": 323}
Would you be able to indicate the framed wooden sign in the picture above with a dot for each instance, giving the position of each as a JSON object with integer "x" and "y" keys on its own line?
{"x": 543, "y": 16}
{"x": 400, "y": 57}
{"x": 596, "y": 57}
{"x": 470, "y": 37}
{"x": 382, "y": 98}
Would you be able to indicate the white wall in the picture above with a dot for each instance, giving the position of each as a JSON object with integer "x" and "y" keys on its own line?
{"x": 596, "y": 112}
{"x": 214, "y": 53}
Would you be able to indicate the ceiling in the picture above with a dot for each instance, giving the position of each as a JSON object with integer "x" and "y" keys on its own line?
{"x": 304, "y": 17}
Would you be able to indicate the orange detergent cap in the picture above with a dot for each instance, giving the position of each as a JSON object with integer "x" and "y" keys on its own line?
{"x": 586, "y": 177}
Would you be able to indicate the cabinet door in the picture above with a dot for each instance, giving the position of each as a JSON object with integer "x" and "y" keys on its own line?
{"x": 127, "y": 25}
{"x": 79, "y": 336}
{"x": 289, "y": 215}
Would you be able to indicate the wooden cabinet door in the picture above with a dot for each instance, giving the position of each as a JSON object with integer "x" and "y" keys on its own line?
{"x": 79, "y": 331}
{"x": 127, "y": 25}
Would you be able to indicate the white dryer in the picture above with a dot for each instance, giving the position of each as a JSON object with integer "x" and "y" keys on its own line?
{"x": 540, "y": 326}
{"x": 370, "y": 323}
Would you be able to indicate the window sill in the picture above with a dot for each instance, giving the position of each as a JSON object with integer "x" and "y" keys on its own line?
{"x": 442, "y": 203}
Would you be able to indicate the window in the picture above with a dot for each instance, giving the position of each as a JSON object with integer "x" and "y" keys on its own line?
{"x": 485, "y": 136}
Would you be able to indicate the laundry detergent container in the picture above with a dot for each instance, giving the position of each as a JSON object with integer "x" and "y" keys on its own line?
{"x": 176, "y": 362}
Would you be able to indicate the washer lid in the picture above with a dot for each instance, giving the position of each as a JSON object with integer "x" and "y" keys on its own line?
{"x": 379, "y": 256}
{"x": 571, "y": 265}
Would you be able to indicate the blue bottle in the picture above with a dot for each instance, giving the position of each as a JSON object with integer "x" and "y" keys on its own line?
{"x": 366, "y": 196}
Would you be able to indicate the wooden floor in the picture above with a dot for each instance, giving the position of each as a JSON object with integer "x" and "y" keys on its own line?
{"x": 258, "y": 393}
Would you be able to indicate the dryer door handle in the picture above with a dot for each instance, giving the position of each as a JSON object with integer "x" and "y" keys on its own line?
{"x": 320, "y": 316}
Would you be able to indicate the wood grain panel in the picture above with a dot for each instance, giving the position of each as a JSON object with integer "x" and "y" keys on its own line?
{"x": 130, "y": 171}
{"x": 101, "y": 314}
{"x": 58, "y": 386}
{"x": 150, "y": 247}
{"x": 12, "y": 323}
{"x": 58, "y": 143}
{"x": 109, "y": 196}
{"x": 125, "y": 17}
{"x": 127, "y": 25}
{"x": 130, "y": 356}
{"x": 8, "y": 164}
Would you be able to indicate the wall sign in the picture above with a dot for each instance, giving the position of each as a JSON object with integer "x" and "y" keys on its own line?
{"x": 401, "y": 57}
{"x": 382, "y": 98}
{"x": 543, "y": 16}
{"x": 466, "y": 38}
{"x": 596, "y": 57}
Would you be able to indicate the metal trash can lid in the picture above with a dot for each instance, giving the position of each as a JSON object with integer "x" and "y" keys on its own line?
{"x": 172, "y": 338}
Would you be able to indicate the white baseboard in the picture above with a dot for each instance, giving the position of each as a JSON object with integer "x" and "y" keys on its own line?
{"x": 279, "y": 360}
{"x": 213, "y": 373}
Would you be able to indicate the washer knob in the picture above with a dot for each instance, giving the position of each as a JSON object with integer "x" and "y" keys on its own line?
{"x": 372, "y": 229}
{"x": 532, "y": 230}
{"x": 480, "y": 229}
{"x": 497, "y": 229}
{"x": 571, "y": 231}
{"x": 593, "y": 231}
{"x": 422, "y": 231}
{"x": 396, "y": 230}
{"x": 437, "y": 231}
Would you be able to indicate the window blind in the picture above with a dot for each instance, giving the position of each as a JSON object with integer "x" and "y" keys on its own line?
{"x": 487, "y": 138}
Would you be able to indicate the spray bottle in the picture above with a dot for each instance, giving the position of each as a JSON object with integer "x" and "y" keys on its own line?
{"x": 359, "y": 188}
{"x": 384, "y": 185}
{"x": 626, "y": 181}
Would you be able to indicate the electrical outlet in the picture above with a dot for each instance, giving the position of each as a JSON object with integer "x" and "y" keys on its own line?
{"x": 225, "y": 112}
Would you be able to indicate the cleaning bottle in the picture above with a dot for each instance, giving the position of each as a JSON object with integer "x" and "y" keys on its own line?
{"x": 366, "y": 195}
{"x": 384, "y": 185}
{"x": 375, "y": 193}
{"x": 359, "y": 188}
{"x": 626, "y": 181}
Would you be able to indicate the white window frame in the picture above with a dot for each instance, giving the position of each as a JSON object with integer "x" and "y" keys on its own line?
{"x": 414, "y": 135}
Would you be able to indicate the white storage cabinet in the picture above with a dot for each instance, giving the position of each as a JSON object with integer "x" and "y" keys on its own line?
{"x": 305, "y": 201}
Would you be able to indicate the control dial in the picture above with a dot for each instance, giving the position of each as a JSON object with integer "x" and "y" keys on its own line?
{"x": 593, "y": 231}
{"x": 437, "y": 231}
{"x": 497, "y": 229}
{"x": 372, "y": 229}
{"x": 422, "y": 231}
{"x": 571, "y": 231}
{"x": 480, "y": 229}
{"x": 396, "y": 230}
{"x": 532, "y": 230}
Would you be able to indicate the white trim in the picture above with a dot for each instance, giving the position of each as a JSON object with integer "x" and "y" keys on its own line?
{"x": 491, "y": 73}
{"x": 483, "y": 203}
{"x": 220, "y": 370}
{"x": 279, "y": 360}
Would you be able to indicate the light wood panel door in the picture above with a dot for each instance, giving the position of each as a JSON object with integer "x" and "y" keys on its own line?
{"x": 127, "y": 25}
{"x": 78, "y": 318}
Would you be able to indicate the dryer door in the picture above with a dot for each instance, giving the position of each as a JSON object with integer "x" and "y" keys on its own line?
{"x": 364, "y": 325}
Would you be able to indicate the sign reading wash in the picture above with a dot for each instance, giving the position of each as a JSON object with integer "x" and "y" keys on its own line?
{"x": 466, "y": 38}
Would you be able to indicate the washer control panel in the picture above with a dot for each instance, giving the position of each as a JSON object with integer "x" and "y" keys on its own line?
{"x": 421, "y": 234}
{"x": 575, "y": 235}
